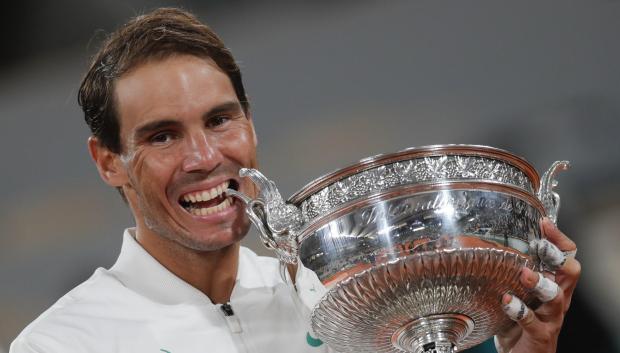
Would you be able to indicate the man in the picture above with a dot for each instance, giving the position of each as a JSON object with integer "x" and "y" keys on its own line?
{"x": 171, "y": 127}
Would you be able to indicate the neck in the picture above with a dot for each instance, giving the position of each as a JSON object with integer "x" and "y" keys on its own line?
{"x": 212, "y": 272}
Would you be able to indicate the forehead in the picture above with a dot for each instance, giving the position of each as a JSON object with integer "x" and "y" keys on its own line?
{"x": 174, "y": 87}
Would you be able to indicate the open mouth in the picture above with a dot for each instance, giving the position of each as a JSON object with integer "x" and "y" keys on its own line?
{"x": 206, "y": 202}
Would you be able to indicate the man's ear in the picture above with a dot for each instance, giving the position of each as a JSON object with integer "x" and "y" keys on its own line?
{"x": 109, "y": 164}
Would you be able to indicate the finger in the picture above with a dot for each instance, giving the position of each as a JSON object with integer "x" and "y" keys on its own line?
{"x": 498, "y": 345}
{"x": 555, "y": 300}
{"x": 544, "y": 289}
{"x": 554, "y": 235}
{"x": 552, "y": 257}
{"x": 567, "y": 278}
{"x": 569, "y": 269}
{"x": 547, "y": 291}
{"x": 509, "y": 336}
{"x": 517, "y": 311}
{"x": 537, "y": 336}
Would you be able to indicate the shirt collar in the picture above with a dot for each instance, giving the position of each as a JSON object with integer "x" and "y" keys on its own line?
{"x": 142, "y": 273}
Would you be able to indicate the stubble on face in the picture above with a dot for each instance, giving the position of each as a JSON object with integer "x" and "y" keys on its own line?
{"x": 147, "y": 204}
{"x": 152, "y": 207}
{"x": 154, "y": 174}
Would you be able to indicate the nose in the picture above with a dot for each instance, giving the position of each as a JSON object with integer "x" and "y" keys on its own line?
{"x": 202, "y": 153}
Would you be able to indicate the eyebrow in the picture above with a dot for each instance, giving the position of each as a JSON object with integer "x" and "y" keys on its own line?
{"x": 154, "y": 126}
{"x": 163, "y": 123}
{"x": 224, "y": 107}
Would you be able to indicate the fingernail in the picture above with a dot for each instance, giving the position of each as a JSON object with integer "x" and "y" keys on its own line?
{"x": 530, "y": 278}
{"x": 506, "y": 298}
{"x": 515, "y": 309}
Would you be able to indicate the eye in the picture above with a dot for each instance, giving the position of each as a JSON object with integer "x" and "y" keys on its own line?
{"x": 217, "y": 120}
{"x": 161, "y": 138}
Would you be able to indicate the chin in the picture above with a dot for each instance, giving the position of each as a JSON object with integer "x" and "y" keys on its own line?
{"x": 204, "y": 238}
{"x": 211, "y": 242}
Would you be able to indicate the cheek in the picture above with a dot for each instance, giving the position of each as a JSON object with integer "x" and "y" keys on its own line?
{"x": 239, "y": 144}
{"x": 153, "y": 167}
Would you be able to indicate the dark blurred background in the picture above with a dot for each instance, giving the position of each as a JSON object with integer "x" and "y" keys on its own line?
{"x": 330, "y": 82}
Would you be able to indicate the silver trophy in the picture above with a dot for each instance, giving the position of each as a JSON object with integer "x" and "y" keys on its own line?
{"x": 409, "y": 251}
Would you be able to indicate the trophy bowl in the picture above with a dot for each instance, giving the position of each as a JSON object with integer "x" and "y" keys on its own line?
{"x": 410, "y": 251}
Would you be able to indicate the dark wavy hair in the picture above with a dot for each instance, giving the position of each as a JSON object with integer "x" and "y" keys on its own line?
{"x": 156, "y": 35}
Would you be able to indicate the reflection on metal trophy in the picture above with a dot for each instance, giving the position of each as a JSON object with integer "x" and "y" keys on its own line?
{"x": 409, "y": 251}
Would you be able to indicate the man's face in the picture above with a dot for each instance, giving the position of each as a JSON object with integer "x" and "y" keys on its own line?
{"x": 184, "y": 136}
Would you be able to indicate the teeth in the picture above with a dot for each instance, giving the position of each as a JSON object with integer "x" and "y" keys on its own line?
{"x": 209, "y": 210}
{"x": 206, "y": 195}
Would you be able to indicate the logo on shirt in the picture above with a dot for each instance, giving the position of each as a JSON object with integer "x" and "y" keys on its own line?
{"x": 313, "y": 342}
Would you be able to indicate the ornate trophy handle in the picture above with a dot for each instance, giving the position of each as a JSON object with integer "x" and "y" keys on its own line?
{"x": 549, "y": 198}
{"x": 277, "y": 221}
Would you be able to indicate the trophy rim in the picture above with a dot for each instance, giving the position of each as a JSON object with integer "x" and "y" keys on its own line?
{"x": 375, "y": 197}
{"x": 417, "y": 152}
